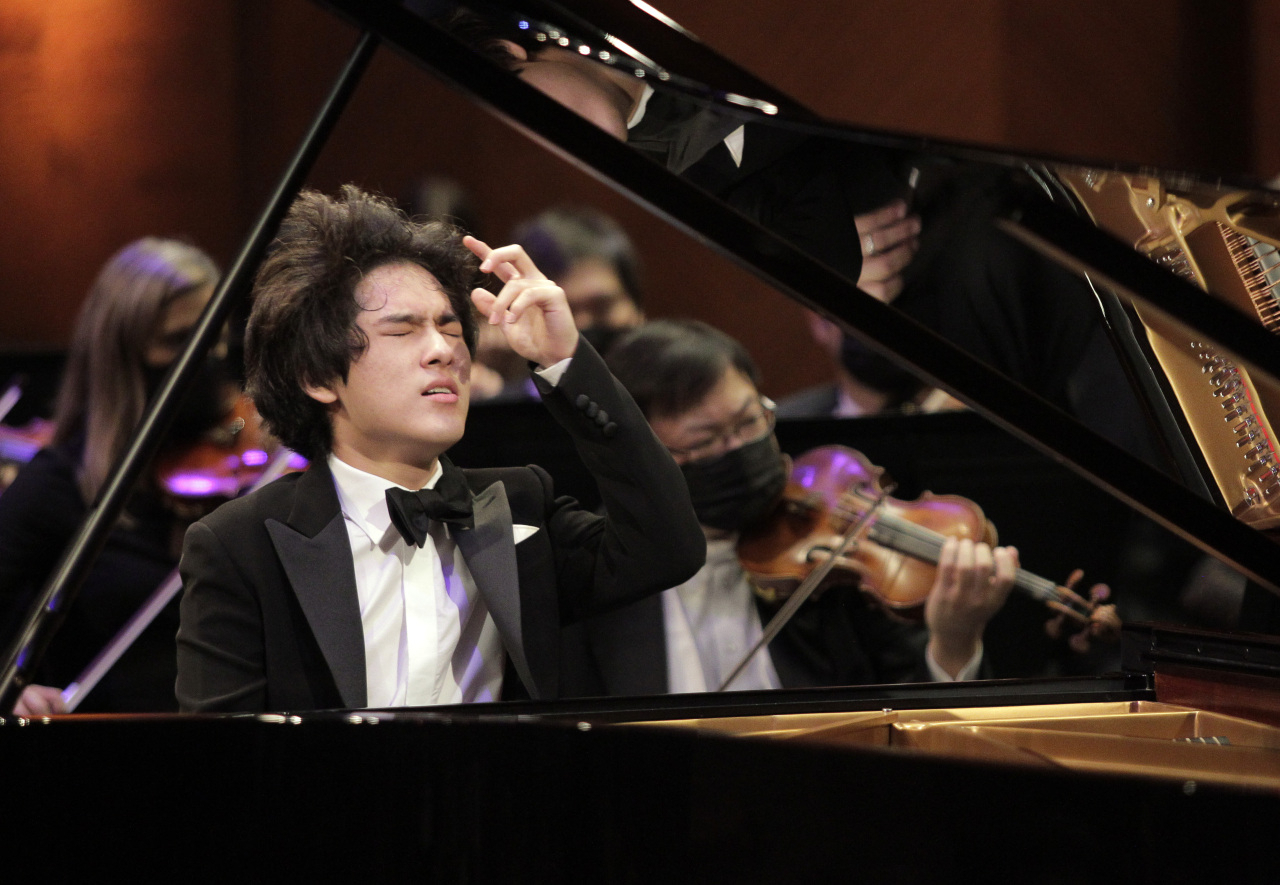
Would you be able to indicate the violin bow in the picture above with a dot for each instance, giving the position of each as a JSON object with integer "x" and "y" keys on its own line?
{"x": 811, "y": 583}
{"x": 11, "y": 395}
{"x": 92, "y": 674}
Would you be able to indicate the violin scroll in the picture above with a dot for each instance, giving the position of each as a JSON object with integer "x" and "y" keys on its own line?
{"x": 1094, "y": 617}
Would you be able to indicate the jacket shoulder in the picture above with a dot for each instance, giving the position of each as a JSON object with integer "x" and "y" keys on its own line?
{"x": 276, "y": 499}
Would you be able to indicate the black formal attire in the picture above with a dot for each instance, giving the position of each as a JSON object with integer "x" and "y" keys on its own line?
{"x": 39, "y": 514}
{"x": 270, "y": 618}
{"x": 837, "y": 639}
{"x": 1005, "y": 304}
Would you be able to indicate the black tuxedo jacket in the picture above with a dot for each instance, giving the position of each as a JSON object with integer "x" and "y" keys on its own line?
{"x": 270, "y": 618}
{"x": 839, "y": 638}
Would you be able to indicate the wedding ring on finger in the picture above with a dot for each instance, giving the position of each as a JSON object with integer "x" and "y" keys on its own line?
{"x": 868, "y": 245}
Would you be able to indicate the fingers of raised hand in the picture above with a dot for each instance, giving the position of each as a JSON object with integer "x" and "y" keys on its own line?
{"x": 518, "y": 296}
{"x": 507, "y": 263}
{"x": 870, "y": 222}
{"x": 886, "y": 229}
{"x": 881, "y": 275}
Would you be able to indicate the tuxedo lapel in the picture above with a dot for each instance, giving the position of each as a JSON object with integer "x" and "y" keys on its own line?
{"x": 490, "y": 553}
{"x": 315, "y": 551}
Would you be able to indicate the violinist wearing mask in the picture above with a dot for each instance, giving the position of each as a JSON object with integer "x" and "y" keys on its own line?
{"x": 699, "y": 389}
{"x": 135, "y": 320}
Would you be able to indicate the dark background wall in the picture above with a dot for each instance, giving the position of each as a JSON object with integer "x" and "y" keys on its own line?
{"x": 120, "y": 118}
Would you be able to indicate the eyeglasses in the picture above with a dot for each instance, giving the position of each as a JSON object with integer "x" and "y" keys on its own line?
{"x": 754, "y": 426}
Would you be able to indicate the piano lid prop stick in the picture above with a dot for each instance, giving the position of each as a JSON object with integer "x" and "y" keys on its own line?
{"x": 10, "y": 397}
{"x": 74, "y": 693}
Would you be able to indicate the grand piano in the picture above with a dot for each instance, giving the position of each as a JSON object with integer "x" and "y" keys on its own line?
{"x": 1167, "y": 769}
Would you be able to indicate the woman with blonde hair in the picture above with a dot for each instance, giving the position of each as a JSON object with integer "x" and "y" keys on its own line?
{"x": 138, "y": 313}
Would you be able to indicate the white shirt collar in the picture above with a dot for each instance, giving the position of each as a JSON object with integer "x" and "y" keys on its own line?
{"x": 363, "y": 497}
{"x": 638, "y": 114}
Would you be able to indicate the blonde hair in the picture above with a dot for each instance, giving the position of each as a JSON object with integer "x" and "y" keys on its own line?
{"x": 103, "y": 390}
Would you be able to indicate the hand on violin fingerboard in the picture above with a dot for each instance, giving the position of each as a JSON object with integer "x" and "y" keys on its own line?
{"x": 972, "y": 584}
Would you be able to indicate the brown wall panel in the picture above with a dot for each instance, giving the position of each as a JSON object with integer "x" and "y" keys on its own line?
{"x": 113, "y": 125}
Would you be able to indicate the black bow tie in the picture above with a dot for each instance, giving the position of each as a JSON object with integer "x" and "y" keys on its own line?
{"x": 449, "y": 502}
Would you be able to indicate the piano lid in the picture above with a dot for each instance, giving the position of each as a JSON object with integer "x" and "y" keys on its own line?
{"x": 996, "y": 309}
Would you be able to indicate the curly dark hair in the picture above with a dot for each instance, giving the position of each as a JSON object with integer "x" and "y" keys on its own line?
{"x": 302, "y": 330}
{"x": 669, "y": 366}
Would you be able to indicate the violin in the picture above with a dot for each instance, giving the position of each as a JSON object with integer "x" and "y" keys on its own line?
{"x": 226, "y": 460}
{"x": 894, "y": 555}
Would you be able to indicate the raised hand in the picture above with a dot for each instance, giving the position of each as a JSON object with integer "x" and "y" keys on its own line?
{"x": 887, "y": 238}
{"x": 530, "y": 310}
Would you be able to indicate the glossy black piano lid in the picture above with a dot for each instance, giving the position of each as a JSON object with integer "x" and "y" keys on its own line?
{"x": 647, "y": 44}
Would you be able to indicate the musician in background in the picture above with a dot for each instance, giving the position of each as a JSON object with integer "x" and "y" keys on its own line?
{"x": 138, "y": 314}
{"x": 700, "y": 391}
{"x": 595, "y": 263}
{"x": 384, "y": 575}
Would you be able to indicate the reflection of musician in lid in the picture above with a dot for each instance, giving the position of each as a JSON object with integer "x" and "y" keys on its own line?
{"x": 911, "y": 229}
{"x": 137, "y": 316}
{"x": 698, "y": 387}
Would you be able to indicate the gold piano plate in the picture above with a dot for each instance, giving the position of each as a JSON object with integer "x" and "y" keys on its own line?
{"x": 1145, "y": 738}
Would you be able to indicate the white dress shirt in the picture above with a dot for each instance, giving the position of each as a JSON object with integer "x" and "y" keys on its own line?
{"x": 711, "y": 621}
{"x": 428, "y": 635}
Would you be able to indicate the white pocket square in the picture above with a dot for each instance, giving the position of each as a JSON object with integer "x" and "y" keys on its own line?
{"x": 522, "y": 531}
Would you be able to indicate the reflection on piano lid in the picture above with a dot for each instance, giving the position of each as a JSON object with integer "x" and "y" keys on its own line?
{"x": 1132, "y": 441}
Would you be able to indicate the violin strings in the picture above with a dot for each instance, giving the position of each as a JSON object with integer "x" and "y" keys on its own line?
{"x": 925, "y": 544}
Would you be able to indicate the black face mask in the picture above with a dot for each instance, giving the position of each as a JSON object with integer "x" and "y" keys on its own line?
{"x": 740, "y": 487}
